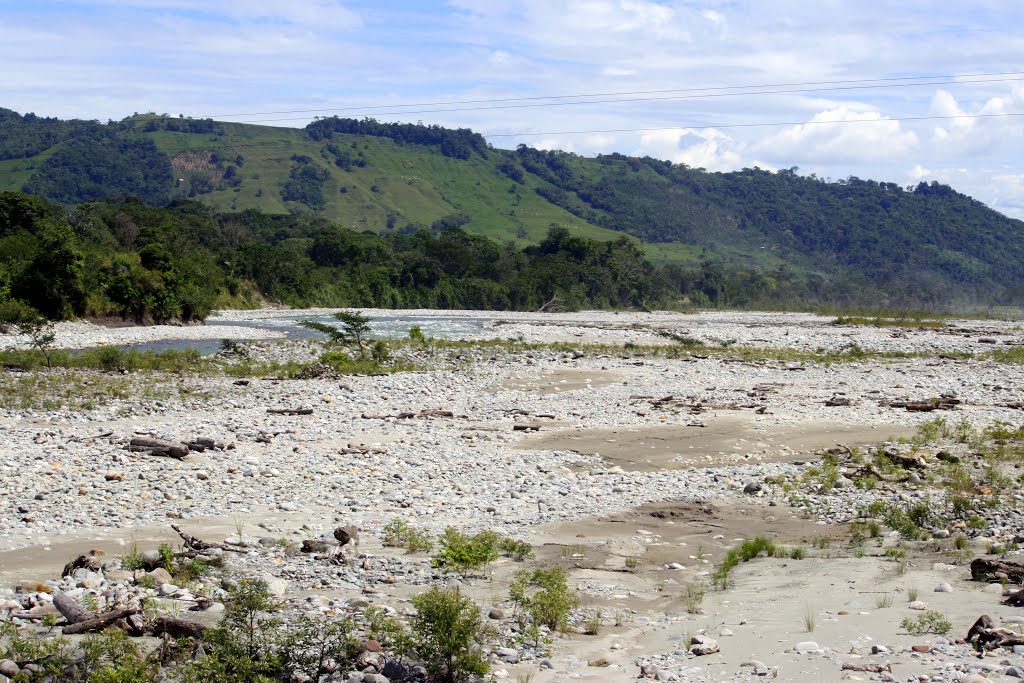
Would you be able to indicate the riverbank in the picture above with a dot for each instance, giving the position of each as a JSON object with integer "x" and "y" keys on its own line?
{"x": 636, "y": 471}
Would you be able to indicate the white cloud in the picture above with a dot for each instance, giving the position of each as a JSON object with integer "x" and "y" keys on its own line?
{"x": 839, "y": 135}
{"x": 965, "y": 136}
{"x": 708, "y": 148}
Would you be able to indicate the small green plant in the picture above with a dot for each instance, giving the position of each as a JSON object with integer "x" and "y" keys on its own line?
{"x": 632, "y": 562}
{"x": 145, "y": 581}
{"x": 592, "y": 625}
{"x": 874, "y": 529}
{"x": 466, "y": 554}
{"x": 416, "y": 335}
{"x": 912, "y": 594}
{"x": 447, "y": 634}
{"x": 133, "y": 560}
{"x": 896, "y": 553}
{"x": 821, "y": 543}
{"x": 797, "y": 553}
{"x": 929, "y": 622}
{"x": 694, "y": 596}
{"x": 542, "y": 598}
{"x": 960, "y": 542}
{"x": 809, "y": 619}
{"x": 519, "y": 551}
{"x": 400, "y": 534}
{"x": 167, "y": 558}
{"x": 747, "y": 551}
{"x": 883, "y": 601}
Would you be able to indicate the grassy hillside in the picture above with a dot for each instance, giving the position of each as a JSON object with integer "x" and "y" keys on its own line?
{"x": 852, "y": 239}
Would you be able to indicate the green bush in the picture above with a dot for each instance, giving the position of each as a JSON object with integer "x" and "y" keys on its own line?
{"x": 929, "y": 622}
{"x": 466, "y": 554}
{"x": 447, "y": 632}
{"x": 517, "y": 550}
{"x": 542, "y": 598}
{"x": 398, "y": 533}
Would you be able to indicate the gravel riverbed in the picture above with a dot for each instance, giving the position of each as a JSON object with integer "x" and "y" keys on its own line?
{"x": 365, "y": 455}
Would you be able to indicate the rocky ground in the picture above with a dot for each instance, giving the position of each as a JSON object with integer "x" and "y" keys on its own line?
{"x": 638, "y": 470}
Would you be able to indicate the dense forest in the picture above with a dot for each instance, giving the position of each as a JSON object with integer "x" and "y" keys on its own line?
{"x": 131, "y": 260}
{"x": 406, "y": 192}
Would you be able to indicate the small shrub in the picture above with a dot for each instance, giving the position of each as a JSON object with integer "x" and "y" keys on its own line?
{"x": 447, "y": 633}
{"x": 465, "y": 554}
{"x": 754, "y": 547}
{"x": 542, "y": 597}
{"x": 809, "y": 619}
{"x": 694, "y": 596}
{"x": 517, "y": 550}
{"x": 883, "y": 601}
{"x": 416, "y": 335}
{"x": 399, "y": 534}
{"x": 133, "y": 560}
{"x": 911, "y": 594}
{"x": 592, "y": 626}
{"x": 797, "y": 553}
{"x": 929, "y": 622}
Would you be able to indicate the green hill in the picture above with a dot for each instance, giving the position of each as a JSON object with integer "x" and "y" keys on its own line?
{"x": 756, "y": 231}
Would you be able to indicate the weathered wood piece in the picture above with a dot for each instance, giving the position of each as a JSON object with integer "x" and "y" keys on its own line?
{"x": 1015, "y": 599}
{"x": 90, "y": 562}
{"x": 193, "y": 543}
{"x": 167, "y": 449}
{"x": 996, "y": 571}
{"x": 98, "y": 622}
{"x": 177, "y": 628}
{"x": 985, "y": 636}
{"x": 69, "y": 608}
{"x": 289, "y": 411}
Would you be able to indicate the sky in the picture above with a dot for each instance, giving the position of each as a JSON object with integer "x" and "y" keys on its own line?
{"x": 712, "y": 72}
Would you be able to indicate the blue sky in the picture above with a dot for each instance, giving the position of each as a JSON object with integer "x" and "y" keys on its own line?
{"x": 109, "y": 58}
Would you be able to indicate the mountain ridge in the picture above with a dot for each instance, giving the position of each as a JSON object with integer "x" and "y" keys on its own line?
{"x": 929, "y": 244}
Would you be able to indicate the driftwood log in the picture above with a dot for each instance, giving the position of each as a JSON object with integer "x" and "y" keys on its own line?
{"x": 996, "y": 571}
{"x": 90, "y": 562}
{"x": 289, "y": 411}
{"x": 177, "y": 628}
{"x": 69, "y": 608}
{"x": 199, "y": 545}
{"x": 98, "y": 622}
{"x": 907, "y": 462}
{"x": 168, "y": 449}
{"x": 985, "y": 636}
{"x": 867, "y": 667}
{"x": 1015, "y": 599}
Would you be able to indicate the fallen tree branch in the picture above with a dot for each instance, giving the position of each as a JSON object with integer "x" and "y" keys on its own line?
{"x": 193, "y": 543}
{"x": 98, "y": 622}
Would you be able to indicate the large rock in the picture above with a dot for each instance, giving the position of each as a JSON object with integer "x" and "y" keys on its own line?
{"x": 702, "y": 645}
{"x": 160, "y": 576}
{"x": 347, "y": 534}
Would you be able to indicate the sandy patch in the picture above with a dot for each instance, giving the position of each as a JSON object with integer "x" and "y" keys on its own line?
{"x": 712, "y": 440}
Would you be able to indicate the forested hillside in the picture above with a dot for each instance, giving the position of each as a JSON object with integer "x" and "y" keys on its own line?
{"x": 740, "y": 238}
{"x": 170, "y": 264}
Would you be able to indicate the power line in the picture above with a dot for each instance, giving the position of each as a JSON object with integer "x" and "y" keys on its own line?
{"x": 762, "y": 124}
{"x": 757, "y": 125}
{"x": 352, "y": 112}
{"x": 895, "y": 81}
